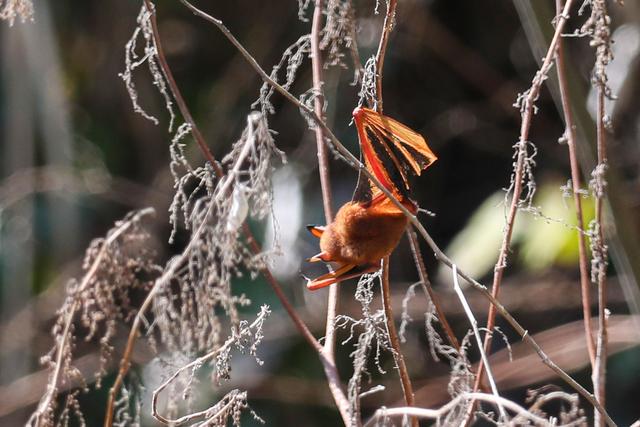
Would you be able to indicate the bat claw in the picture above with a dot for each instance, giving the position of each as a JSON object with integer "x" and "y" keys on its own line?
{"x": 322, "y": 256}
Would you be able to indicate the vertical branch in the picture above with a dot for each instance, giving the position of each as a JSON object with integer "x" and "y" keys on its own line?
{"x": 327, "y": 200}
{"x": 600, "y": 367}
{"x": 182, "y": 105}
{"x": 527, "y": 107}
{"x": 382, "y": 49}
{"x": 570, "y": 135}
{"x": 407, "y": 388}
{"x": 601, "y": 39}
{"x": 428, "y": 289}
{"x": 476, "y": 334}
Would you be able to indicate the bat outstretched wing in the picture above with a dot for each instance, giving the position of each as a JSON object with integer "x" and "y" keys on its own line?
{"x": 391, "y": 152}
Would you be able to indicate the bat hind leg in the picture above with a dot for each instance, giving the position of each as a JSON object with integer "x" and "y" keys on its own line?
{"x": 344, "y": 272}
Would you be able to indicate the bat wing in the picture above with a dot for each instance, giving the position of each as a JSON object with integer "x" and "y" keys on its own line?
{"x": 391, "y": 152}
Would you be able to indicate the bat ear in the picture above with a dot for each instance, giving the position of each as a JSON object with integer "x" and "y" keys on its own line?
{"x": 316, "y": 230}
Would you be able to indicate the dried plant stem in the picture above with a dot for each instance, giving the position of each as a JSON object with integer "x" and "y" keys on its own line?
{"x": 600, "y": 366}
{"x": 436, "y": 414}
{"x": 382, "y": 49}
{"x": 439, "y": 255}
{"x": 429, "y": 293}
{"x": 527, "y": 116}
{"x": 200, "y": 361}
{"x": 570, "y": 135}
{"x": 62, "y": 343}
{"x": 323, "y": 165}
{"x": 598, "y": 27}
{"x": 318, "y": 106}
{"x": 476, "y": 334}
{"x": 328, "y": 350}
{"x": 177, "y": 95}
{"x": 405, "y": 380}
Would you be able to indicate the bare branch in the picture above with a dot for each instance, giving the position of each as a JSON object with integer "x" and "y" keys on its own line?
{"x": 437, "y": 414}
{"x": 476, "y": 334}
{"x": 570, "y": 135}
{"x": 327, "y": 199}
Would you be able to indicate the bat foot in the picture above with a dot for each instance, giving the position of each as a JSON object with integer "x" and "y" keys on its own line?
{"x": 322, "y": 256}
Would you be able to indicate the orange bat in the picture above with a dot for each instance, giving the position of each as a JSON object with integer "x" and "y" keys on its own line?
{"x": 369, "y": 227}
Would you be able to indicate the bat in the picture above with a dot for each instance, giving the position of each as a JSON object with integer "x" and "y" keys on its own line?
{"x": 369, "y": 227}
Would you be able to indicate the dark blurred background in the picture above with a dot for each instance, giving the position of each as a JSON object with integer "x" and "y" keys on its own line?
{"x": 75, "y": 158}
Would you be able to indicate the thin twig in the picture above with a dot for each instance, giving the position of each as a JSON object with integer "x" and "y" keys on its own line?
{"x": 351, "y": 160}
{"x": 476, "y": 334}
{"x": 327, "y": 199}
{"x": 405, "y": 380}
{"x": 429, "y": 293}
{"x": 195, "y": 364}
{"x": 328, "y": 365}
{"x": 389, "y": 19}
{"x": 527, "y": 116}
{"x": 570, "y": 135}
{"x": 436, "y": 414}
{"x": 601, "y": 39}
{"x": 182, "y": 105}
{"x": 323, "y": 165}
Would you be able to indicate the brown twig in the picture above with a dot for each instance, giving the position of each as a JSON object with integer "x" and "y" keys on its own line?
{"x": 601, "y": 39}
{"x": 405, "y": 380}
{"x": 327, "y": 352}
{"x": 177, "y": 95}
{"x": 389, "y": 19}
{"x": 323, "y": 167}
{"x": 429, "y": 293}
{"x": 350, "y": 159}
{"x": 570, "y": 135}
{"x": 527, "y": 108}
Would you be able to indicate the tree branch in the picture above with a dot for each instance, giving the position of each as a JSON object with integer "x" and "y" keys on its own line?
{"x": 405, "y": 380}
{"x": 570, "y": 135}
{"x": 429, "y": 293}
